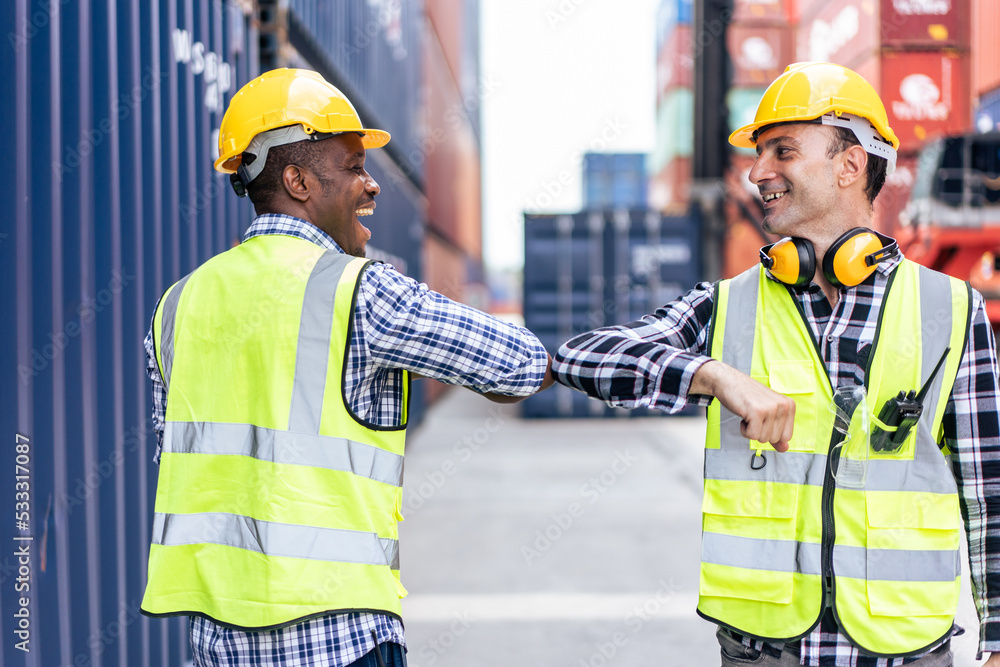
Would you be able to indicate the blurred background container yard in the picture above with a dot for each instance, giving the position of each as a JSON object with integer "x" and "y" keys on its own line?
{"x": 111, "y": 111}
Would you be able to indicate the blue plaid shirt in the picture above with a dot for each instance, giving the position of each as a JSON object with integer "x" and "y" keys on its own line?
{"x": 399, "y": 324}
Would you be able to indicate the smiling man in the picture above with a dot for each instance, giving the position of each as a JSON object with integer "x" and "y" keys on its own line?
{"x": 280, "y": 375}
{"x": 811, "y": 556}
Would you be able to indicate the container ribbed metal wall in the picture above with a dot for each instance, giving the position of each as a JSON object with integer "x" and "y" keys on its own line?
{"x": 371, "y": 50}
{"x": 599, "y": 268}
{"x": 109, "y": 112}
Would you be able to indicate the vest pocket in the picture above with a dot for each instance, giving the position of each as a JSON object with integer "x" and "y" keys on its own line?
{"x": 796, "y": 380}
{"x": 912, "y": 559}
{"x": 748, "y": 540}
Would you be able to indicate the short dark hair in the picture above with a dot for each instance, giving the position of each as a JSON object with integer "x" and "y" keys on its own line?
{"x": 263, "y": 189}
{"x": 842, "y": 139}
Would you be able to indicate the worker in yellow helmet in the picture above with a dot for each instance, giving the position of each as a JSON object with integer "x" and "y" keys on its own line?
{"x": 853, "y": 407}
{"x": 281, "y": 373}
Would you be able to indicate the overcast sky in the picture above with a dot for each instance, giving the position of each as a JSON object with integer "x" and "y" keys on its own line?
{"x": 566, "y": 77}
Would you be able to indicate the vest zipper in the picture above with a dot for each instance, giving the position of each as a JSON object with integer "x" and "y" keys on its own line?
{"x": 829, "y": 485}
{"x": 829, "y": 532}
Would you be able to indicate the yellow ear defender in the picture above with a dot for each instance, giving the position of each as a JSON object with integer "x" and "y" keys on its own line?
{"x": 849, "y": 261}
{"x": 791, "y": 260}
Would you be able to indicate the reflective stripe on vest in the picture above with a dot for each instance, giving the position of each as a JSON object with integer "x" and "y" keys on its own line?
{"x": 317, "y": 451}
{"x": 895, "y": 562}
{"x": 169, "y": 312}
{"x": 275, "y": 539}
{"x": 274, "y": 503}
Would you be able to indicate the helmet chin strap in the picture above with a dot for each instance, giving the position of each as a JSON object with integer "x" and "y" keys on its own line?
{"x": 866, "y": 133}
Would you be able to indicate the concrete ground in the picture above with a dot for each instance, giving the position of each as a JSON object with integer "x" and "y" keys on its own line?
{"x": 558, "y": 542}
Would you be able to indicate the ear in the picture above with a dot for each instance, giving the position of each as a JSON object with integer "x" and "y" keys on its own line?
{"x": 854, "y": 165}
{"x": 295, "y": 181}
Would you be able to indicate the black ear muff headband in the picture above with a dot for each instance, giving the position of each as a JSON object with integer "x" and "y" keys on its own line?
{"x": 849, "y": 261}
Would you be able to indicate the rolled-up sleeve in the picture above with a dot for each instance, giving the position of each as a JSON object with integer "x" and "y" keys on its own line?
{"x": 647, "y": 363}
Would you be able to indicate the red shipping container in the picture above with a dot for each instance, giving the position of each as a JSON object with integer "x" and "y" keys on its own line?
{"x": 925, "y": 23}
{"x": 926, "y": 94}
{"x": 759, "y": 54}
{"x": 670, "y": 189}
{"x": 675, "y": 64}
{"x": 769, "y": 11}
{"x": 451, "y": 157}
{"x": 985, "y": 46}
{"x": 444, "y": 270}
{"x": 841, "y": 32}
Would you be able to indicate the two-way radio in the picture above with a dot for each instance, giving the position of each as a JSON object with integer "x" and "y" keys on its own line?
{"x": 903, "y": 412}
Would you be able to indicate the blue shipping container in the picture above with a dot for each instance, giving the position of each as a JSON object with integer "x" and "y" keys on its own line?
{"x": 987, "y": 116}
{"x": 598, "y": 268}
{"x": 371, "y": 51}
{"x": 110, "y": 117}
{"x": 669, "y": 15}
{"x": 614, "y": 180}
{"x": 110, "y": 114}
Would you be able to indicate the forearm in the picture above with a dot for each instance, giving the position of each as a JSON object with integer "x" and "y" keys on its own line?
{"x": 624, "y": 372}
{"x": 646, "y": 363}
{"x": 407, "y": 326}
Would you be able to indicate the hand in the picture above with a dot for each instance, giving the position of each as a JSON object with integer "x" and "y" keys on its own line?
{"x": 767, "y": 415}
{"x": 549, "y": 378}
{"x": 993, "y": 660}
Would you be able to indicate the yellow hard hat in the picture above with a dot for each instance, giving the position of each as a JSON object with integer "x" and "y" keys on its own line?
{"x": 282, "y": 98}
{"x": 824, "y": 92}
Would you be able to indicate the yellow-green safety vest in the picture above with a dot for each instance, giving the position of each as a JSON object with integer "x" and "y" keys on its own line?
{"x": 783, "y": 542}
{"x": 275, "y": 503}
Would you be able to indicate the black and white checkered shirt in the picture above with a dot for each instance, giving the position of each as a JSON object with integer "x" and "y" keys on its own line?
{"x": 650, "y": 363}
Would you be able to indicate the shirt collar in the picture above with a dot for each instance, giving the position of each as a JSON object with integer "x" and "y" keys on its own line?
{"x": 280, "y": 224}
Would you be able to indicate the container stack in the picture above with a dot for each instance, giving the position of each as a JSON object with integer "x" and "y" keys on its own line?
{"x": 597, "y": 268}
{"x": 372, "y": 54}
{"x": 670, "y": 163}
{"x": 917, "y": 55}
{"x": 450, "y": 154}
{"x": 614, "y": 180}
{"x": 760, "y": 42}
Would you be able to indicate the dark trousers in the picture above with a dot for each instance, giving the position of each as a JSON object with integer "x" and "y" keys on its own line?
{"x": 734, "y": 654}
{"x": 394, "y": 655}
